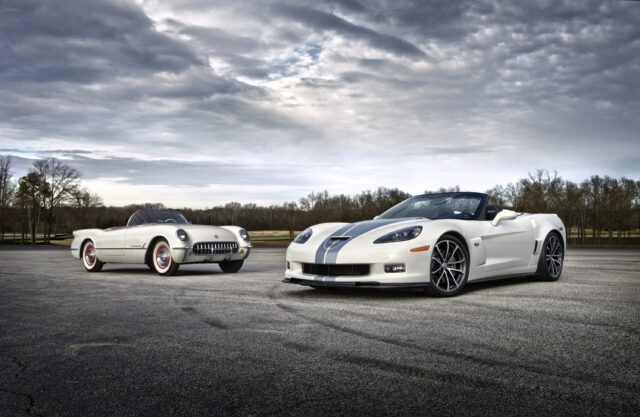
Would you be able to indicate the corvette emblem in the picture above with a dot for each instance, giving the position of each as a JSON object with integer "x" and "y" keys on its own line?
{"x": 216, "y": 236}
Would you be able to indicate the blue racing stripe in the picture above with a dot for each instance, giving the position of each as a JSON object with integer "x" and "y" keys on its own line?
{"x": 327, "y": 252}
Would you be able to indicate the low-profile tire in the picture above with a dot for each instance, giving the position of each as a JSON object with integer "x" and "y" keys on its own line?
{"x": 551, "y": 258}
{"x": 449, "y": 267}
{"x": 231, "y": 266}
{"x": 163, "y": 263}
{"x": 90, "y": 258}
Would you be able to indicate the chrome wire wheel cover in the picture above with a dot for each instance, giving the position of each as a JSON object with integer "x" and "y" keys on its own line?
{"x": 163, "y": 257}
{"x": 89, "y": 255}
{"x": 553, "y": 255}
{"x": 448, "y": 266}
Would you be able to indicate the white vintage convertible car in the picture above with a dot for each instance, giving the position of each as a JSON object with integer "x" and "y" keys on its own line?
{"x": 162, "y": 239}
{"x": 436, "y": 241}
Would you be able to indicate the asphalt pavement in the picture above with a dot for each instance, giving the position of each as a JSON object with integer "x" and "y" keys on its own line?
{"x": 127, "y": 342}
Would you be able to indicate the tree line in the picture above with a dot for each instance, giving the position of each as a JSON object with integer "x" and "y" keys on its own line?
{"x": 50, "y": 200}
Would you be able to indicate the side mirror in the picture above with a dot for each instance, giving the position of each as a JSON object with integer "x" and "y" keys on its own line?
{"x": 375, "y": 218}
{"x": 504, "y": 215}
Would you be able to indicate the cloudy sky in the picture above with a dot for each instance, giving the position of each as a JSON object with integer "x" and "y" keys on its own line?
{"x": 200, "y": 102}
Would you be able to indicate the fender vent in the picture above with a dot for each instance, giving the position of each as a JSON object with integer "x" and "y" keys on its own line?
{"x": 215, "y": 248}
{"x": 535, "y": 247}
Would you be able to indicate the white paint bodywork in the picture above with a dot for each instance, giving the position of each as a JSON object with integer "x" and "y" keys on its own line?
{"x": 496, "y": 249}
{"x": 130, "y": 244}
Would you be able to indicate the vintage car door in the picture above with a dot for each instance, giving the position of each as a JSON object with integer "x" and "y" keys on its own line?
{"x": 111, "y": 243}
{"x": 136, "y": 242}
{"x": 509, "y": 244}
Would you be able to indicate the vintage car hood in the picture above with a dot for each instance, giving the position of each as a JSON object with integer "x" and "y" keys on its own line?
{"x": 204, "y": 233}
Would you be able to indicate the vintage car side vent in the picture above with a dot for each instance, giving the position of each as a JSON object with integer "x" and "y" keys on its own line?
{"x": 215, "y": 248}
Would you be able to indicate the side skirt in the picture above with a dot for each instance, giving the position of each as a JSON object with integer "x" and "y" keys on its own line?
{"x": 499, "y": 277}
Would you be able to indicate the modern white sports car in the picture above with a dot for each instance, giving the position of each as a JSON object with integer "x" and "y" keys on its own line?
{"x": 435, "y": 241}
{"x": 162, "y": 239}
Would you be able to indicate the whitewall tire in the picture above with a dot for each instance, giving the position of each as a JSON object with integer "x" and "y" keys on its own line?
{"x": 90, "y": 257}
{"x": 161, "y": 258}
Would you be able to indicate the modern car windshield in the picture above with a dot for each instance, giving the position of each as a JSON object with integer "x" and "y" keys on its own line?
{"x": 436, "y": 206}
{"x": 157, "y": 216}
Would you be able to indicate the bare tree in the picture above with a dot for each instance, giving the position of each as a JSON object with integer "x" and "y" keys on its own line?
{"x": 595, "y": 200}
{"x": 497, "y": 195}
{"x": 513, "y": 195}
{"x": 33, "y": 194}
{"x": 83, "y": 200}
{"x": 7, "y": 189}
{"x": 62, "y": 180}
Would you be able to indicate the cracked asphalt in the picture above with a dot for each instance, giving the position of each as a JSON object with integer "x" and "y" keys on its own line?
{"x": 127, "y": 342}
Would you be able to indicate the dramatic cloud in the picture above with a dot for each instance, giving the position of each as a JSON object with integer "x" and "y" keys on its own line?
{"x": 194, "y": 102}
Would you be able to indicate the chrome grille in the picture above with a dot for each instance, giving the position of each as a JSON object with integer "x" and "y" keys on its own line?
{"x": 214, "y": 248}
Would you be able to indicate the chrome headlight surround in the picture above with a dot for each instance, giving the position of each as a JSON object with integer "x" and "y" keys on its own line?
{"x": 401, "y": 235}
{"x": 182, "y": 235}
{"x": 304, "y": 236}
{"x": 244, "y": 235}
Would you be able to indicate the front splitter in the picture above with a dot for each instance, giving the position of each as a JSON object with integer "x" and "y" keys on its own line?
{"x": 354, "y": 284}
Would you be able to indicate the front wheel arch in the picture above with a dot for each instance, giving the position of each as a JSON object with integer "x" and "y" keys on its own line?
{"x": 459, "y": 235}
{"x": 148, "y": 256}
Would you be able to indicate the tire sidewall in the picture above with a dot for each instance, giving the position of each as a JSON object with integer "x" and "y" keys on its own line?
{"x": 543, "y": 270}
{"x": 171, "y": 266}
{"x": 89, "y": 267}
{"x": 432, "y": 289}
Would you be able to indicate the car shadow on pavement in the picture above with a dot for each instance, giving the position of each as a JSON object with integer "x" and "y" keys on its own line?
{"x": 500, "y": 283}
{"x": 385, "y": 293}
{"x": 352, "y": 293}
{"x": 142, "y": 270}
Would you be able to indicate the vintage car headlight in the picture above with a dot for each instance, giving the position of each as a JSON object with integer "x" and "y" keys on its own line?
{"x": 400, "y": 235}
{"x": 182, "y": 235}
{"x": 304, "y": 236}
{"x": 244, "y": 235}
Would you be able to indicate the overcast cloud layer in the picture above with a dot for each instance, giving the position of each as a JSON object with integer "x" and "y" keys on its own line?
{"x": 197, "y": 102}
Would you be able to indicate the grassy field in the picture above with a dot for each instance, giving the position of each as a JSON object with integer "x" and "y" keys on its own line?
{"x": 282, "y": 238}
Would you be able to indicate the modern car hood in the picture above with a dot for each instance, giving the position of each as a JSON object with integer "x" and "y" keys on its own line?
{"x": 329, "y": 244}
{"x": 353, "y": 230}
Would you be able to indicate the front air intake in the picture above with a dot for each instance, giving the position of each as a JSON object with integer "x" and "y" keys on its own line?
{"x": 336, "y": 270}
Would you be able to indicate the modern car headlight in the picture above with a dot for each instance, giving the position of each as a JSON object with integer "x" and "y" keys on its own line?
{"x": 400, "y": 235}
{"x": 182, "y": 235}
{"x": 244, "y": 235}
{"x": 304, "y": 236}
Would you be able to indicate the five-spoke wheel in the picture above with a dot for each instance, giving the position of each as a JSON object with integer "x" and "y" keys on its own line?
{"x": 449, "y": 266}
{"x": 551, "y": 258}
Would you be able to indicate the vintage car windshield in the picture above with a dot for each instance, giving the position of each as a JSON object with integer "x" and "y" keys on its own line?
{"x": 436, "y": 206}
{"x": 157, "y": 216}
